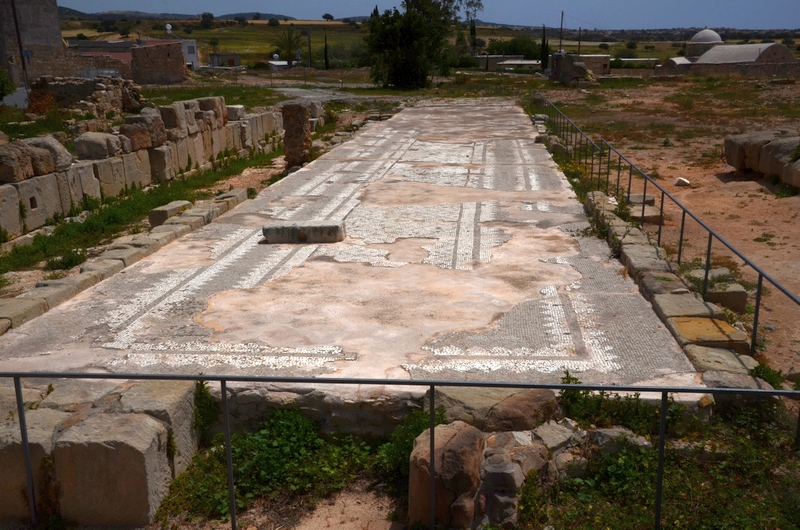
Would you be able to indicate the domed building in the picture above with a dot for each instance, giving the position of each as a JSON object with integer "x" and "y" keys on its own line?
{"x": 701, "y": 43}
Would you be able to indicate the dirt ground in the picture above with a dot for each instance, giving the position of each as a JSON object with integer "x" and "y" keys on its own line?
{"x": 663, "y": 133}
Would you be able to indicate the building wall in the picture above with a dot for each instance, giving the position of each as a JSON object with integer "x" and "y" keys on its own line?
{"x": 495, "y": 59}
{"x": 161, "y": 64}
{"x": 40, "y": 33}
{"x": 750, "y": 70}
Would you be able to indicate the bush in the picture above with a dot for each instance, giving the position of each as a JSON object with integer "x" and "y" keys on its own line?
{"x": 274, "y": 23}
{"x": 393, "y": 457}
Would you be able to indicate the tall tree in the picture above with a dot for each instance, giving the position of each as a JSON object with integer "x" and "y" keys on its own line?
{"x": 473, "y": 35}
{"x": 207, "y": 20}
{"x": 327, "y": 16}
{"x": 545, "y": 50}
{"x": 287, "y": 43}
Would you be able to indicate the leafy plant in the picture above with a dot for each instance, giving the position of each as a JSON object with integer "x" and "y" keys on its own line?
{"x": 393, "y": 457}
{"x": 206, "y": 408}
{"x": 771, "y": 376}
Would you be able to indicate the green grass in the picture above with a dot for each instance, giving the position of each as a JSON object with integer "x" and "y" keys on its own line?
{"x": 116, "y": 215}
{"x": 14, "y": 124}
{"x": 239, "y": 95}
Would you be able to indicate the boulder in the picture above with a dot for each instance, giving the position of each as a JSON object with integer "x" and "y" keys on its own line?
{"x": 457, "y": 456}
{"x": 523, "y": 411}
{"x": 15, "y": 163}
{"x": 614, "y": 440}
{"x": 138, "y": 134}
{"x": 776, "y": 155}
{"x": 174, "y": 118}
{"x": 570, "y": 465}
{"x": 742, "y": 151}
{"x": 154, "y": 125}
{"x": 96, "y": 146}
{"x": 62, "y": 159}
{"x": 112, "y": 469}
{"x": 557, "y": 436}
{"x": 161, "y": 164}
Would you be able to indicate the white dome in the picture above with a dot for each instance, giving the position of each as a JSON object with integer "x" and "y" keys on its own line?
{"x": 706, "y": 36}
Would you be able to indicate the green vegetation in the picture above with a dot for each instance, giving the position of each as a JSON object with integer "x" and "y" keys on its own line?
{"x": 392, "y": 462}
{"x": 6, "y": 86}
{"x": 249, "y": 96}
{"x": 287, "y": 43}
{"x": 774, "y": 377}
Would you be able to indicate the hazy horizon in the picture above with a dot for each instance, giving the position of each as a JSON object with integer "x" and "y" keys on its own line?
{"x": 589, "y": 14}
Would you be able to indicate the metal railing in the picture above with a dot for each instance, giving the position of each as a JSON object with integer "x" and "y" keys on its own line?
{"x": 610, "y": 174}
{"x": 430, "y": 384}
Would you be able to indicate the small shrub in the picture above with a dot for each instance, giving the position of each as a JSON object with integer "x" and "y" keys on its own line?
{"x": 67, "y": 260}
{"x": 392, "y": 461}
{"x": 773, "y": 377}
{"x": 206, "y": 409}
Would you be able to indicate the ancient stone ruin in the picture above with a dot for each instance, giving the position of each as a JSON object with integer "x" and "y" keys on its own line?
{"x": 768, "y": 153}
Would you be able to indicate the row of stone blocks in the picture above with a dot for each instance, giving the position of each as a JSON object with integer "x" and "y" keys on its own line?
{"x": 103, "y": 451}
{"x": 39, "y": 181}
{"x": 768, "y": 153}
{"x": 715, "y": 347}
{"x": 175, "y": 220}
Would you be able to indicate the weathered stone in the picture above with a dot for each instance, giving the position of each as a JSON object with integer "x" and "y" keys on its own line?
{"x": 297, "y": 139}
{"x": 127, "y": 254}
{"x": 638, "y": 198}
{"x": 726, "y": 401}
{"x": 731, "y": 295}
{"x": 180, "y": 149}
{"x": 10, "y": 219}
{"x": 717, "y": 359}
{"x": 776, "y": 155}
{"x": 742, "y": 151}
{"x": 110, "y": 175}
{"x": 529, "y": 458}
{"x": 8, "y": 400}
{"x": 154, "y": 125}
{"x": 174, "y": 118}
{"x": 276, "y": 232}
{"x": 208, "y": 145}
{"x": 53, "y": 295}
{"x": 523, "y": 411}
{"x": 15, "y": 163}
{"x": 70, "y": 190}
{"x": 171, "y": 402}
{"x": 470, "y": 405}
{"x": 651, "y": 214}
{"x": 106, "y": 267}
{"x": 554, "y": 436}
{"x": 138, "y": 134}
{"x": 90, "y": 185}
{"x": 40, "y": 197}
{"x": 81, "y": 282}
{"x": 177, "y": 230}
{"x": 157, "y": 216}
{"x": 125, "y": 456}
{"x": 708, "y": 332}
{"x": 236, "y": 112}
{"x": 502, "y": 510}
{"x": 41, "y": 161}
{"x": 62, "y": 159}
{"x": 570, "y": 465}
{"x": 193, "y": 222}
{"x": 5, "y": 325}
{"x": 653, "y": 283}
{"x": 96, "y": 146}
{"x": 641, "y": 258}
{"x": 73, "y": 394}
{"x": 161, "y": 167}
{"x": 41, "y": 427}
{"x": 240, "y": 194}
{"x": 457, "y": 455}
{"x": 217, "y": 105}
{"x": 684, "y": 305}
{"x": 614, "y": 440}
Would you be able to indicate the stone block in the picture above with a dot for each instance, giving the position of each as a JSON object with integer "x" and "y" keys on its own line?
{"x": 41, "y": 199}
{"x": 96, "y": 146}
{"x": 246, "y": 131}
{"x": 240, "y": 194}
{"x": 227, "y": 133}
{"x": 161, "y": 164}
{"x": 105, "y": 267}
{"x": 191, "y": 123}
{"x": 235, "y": 135}
{"x": 171, "y": 402}
{"x": 145, "y": 242}
{"x": 154, "y": 125}
{"x": 90, "y": 185}
{"x": 267, "y": 124}
{"x": 236, "y": 112}
{"x": 731, "y": 295}
{"x": 256, "y": 127}
{"x": 653, "y": 283}
{"x": 138, "y": 134}
{"x": 217, "y": 141}
{"x": 708, "y": 332}
{"x": 717, "y": 359}
{"x": 111, "y": 179}
{"x": 136, "y": 169}
{"x": 776, "y": 155}
{"x": 81, "y": 282}
{"x": 641, "y": 258}
{"x": 217, "y": 106}
{"x": 72, "y": 395}
{"x": 113, "y": 469}
{"x": 196, "y": 150}
{"x": 41, "y": 428}
{"x": 192, "y": 222}
{"x": 276, "y": 232}
{"x": 41, "y": 161}
{"x": 554, "y": 436}
{"x": 20, "y": 310}
{"x": 127, "y": 254}
{"x": 684, "y": 305}
{"x": 174, "y": 118}
{"x": 53, "y": 295}
{"x": 638, "y": 198}
{"x": 316, "y": 109}
{"x": 62, "y": 159}
{"x": 70, "y": 190}
{"x": 297, "y": 139}
{"x": 157, "y": 216}
{"x": 8, "y": 400}
{"x": 652, "y": 215}
{"x": 181, "y": 152}
{"x": 15, "y": 163}
{"x": 10, "y": 219}
{"x": 177, "y": 230}
{"x": 208, "y": 146}
{"x": 207, "y": 214}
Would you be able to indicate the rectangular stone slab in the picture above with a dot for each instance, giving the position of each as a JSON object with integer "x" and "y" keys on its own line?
{"x": 21, "y": 310}
{"x": 305, "y": 232}
{"x": 708, "y": 332}
{"x": 684, "y": 305}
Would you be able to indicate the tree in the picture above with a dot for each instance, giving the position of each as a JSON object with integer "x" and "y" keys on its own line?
{"x": 473, "y": 35}
{"x": 631, "y": 45}
{"x": 206, "y": 20}
{"x": 327, "y": 16}
{"x": 274, "y": 22}
{"x": 405, "y": 47}
{"x": 242, "y": 21}
{"x": 213, "y": 42}
{"x": 521, "y": 45}
{"x": 544, "y": 50}
{"x": 287, "y": 43}
{"x": 256, "y": 16}
{"x": 603, "y": 46}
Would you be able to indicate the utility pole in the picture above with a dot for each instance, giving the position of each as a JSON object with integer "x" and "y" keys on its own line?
{"x": 309, "y": 49}
{"x": 579, "y": 41}
{"x": 561, "y": 35}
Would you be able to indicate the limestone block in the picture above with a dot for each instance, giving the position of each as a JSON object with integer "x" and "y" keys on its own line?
{"x": 653, "y": 283}
{"x": 105, "y": 176}
{"x": 113, "y": 469}
{"x": 71, "y": 395}
{"x": 267, "y": 123}
{"x": 227, "y": 134}
{"x": 21, "y": 310}
{"x": 708, "y": 332}
{"x": 236, "y": 112}
{"x": 169, "y": 232}
{"x": 197, "y": 150}
{"x": 161, "y": 164}
{"x": 137, "y": 175}
{"x": 96, "y": 146}
{"x": 157, "y": 216}
{"x": 90, "y": 185}
{"x": 127, "y": 145}
{"x": 278, "y": 117}
{"x": 554, "y": 436}
{"x": 191, "y": 124}
{"x": 40, "y": 197}
{"x": 717, "y": 359}
{"x": 217, "y": 141}
{"x": 10, "y": 220}
{"x": 8, "y": 400}
{"x": 256, "y": 127}
{"x": 246, "y": 131}
{"x": 41, "y": 161}
{"x": 127, "y": 254}
{"x": 181, "y": 150}
{"x": 207, "y": 214}
{"x": 217, "y": 106}
{"x": 154, "y": 125}
{"x": 41, "y": 427}
{"x": 684, "y": 305}
{"x": 614, "y": 440}
{"x": 640, "y": 258}
{"x": 210, "y": 119}
{"x": 316, "y": 109}
{"x": 470, "y": 405}
{"x": 81, "y": 282}
{"x": 171, "y": 402}
{"x": 106, "y": 267}
{"x": 276, "y": 232}
{"x": 235, "y": 138}
{"x": 776, "y": 155}
{"x": 192, "y": 222}
{"x": 240, "y": 194}
{"x": 70, "y": 190}
{"x": 117, "y": 174}
{"x": 730, "y": 295}
{"x": 174, "y": 118}
{"x": 15, "y": 163}
{"x": 62, "y": 158}
{"x": 138, "y": 134}
{"x": 208, "y": 146}
{"x": 297, "y": 139}
{"x": 717, "y": 379}
{"x": 793, "y": 175}
{"x": 53, "y": 295}
{"x": 522, "y": 411}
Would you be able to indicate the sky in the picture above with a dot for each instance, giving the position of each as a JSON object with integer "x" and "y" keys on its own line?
{"x": 591, "y": 14}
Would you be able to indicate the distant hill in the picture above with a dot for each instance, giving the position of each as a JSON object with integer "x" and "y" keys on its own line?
{"x": 249, "y": 16}
{"x": 65, "y": 12}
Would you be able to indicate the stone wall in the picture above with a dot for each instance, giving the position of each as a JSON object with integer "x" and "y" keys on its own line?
{"x": 161, "y": 64}
{"x": 748, "y": 70}
{"x": 97, "y": 96}
{"x": 40, "y": 181}
{"x": 767, "y": 153}
{"x": 40, "y": 32}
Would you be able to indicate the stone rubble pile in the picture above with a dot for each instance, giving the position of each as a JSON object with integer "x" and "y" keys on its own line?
{"x": 97, "y": 96}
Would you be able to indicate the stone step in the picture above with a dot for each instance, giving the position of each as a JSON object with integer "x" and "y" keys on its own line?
{"x": 277, "y": 232}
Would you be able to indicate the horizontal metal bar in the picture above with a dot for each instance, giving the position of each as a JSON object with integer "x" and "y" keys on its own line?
{"x": 398, "y": 382}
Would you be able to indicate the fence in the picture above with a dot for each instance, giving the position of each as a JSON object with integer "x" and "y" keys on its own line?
{"x": 602, "y": 162}
{"x": 225, "y": 379}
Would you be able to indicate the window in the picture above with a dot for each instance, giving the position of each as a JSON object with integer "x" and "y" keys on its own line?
{"x": 190, "y": 50}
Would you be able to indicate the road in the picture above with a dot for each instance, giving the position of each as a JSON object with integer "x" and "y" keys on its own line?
{"x": 466, "y": 257}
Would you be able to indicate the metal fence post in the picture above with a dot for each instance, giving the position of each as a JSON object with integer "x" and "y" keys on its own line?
{"x": 26, "y": 451}
{"x": 756, "y": 312}
{"x": 708, "y": 263}
{"x": 228, "y": 454}
{"x": 662, "y": 436}
{"x": 680, "y": 240}
{"x": 661, "y": 218}
{"x": 432, "y": 463}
